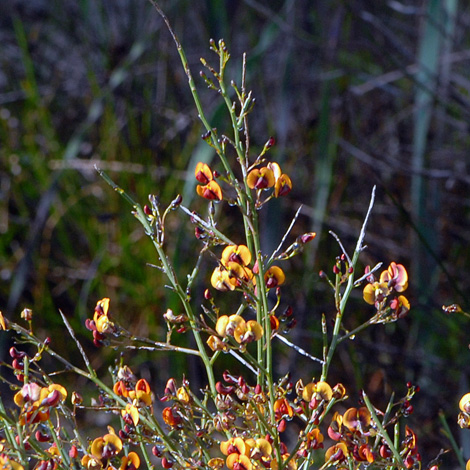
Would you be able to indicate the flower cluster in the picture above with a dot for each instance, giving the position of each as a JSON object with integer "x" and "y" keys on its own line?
{"x": 101, "y": 325}
{"x": 209, "y": 188}
{"x": 104, "y": 450}
{"x": 267, "y": 177}
{"x": 36, "y": 401}
{"x": 381, "y": 292}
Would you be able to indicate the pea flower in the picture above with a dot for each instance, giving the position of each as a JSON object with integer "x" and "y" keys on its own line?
{"x": 274, "y": 277}
{"x": 106, "y": 447}
{"x": 260, "y": 178}
{"x": 210, "y": 189}
{"x": 282, "y": 182}
{"x": 130, "y": 461}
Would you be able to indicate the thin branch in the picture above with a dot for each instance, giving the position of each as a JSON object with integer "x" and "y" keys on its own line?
{"x": 79, "y": 346}
{"x": 291, "y": 226}
{"x": 298, "y": 349}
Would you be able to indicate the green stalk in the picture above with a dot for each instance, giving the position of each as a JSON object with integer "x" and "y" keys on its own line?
{"x": 142, "y": 218}
{"x": 347, "y": 292}
{"x": 382, "y": 430}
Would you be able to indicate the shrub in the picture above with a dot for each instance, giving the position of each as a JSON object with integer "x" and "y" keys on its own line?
{"x": 244, "y": 421}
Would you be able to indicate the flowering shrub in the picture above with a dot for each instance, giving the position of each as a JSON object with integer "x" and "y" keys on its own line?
{"x": 246, "y": 421}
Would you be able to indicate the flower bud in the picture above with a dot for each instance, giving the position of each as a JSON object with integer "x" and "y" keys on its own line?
{"x": 177, "y": 201}
{"x": 281, "y": 427}
{"x": 27, "y": 314}
{"x": 76, "y": 398}
{"x": 270, "y": 142}
{"x": 41, "y": 437}
{"x": 229, "y": 378}
{"x": 223, "y": 389}
{"x": 15, "y": 354}
{"x": 307, "y": 237}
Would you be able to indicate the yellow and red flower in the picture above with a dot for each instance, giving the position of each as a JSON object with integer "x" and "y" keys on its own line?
{"x": 130, "y": 462}
{"x": 210, "y": 189}
{"x": 106, "y": 447}
{"x": 274, "y": 277}
{"x": 282, "y": 182}
{"x": 260, "y": 178}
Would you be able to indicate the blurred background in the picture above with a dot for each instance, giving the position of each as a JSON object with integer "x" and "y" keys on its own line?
{"x": 356, "y": 94}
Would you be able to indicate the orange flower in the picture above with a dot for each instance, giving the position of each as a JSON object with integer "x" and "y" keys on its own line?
{"x": 376, "y": 292}
{"x": 282, "y": 409}
{"x": 142, "y": 392}
{"x": 235, "y": 445}
{"x": 282, "y": 182}
{"x": 222, "y": 281}
{"x": 363, "y": 453}
{"x": 91, "y": 463}
{"x": 337, "y": 453}
{"x": 203, "y": 173}
{"x": 216, "y": 344}
{"x": 396, "y": 277}
{"x": 334, "y": 430}
{"x": 211, "y": 191}
{"x": 238, "y": 462}
{"x": 120, "y": 389}
{"x": 236, "y": 253}
{"x": 230, "y": 325}
{"x": 3, "y": 326}
{"x": 274, "y": 277}
{"x": 464, "y": 403}
{"x": 52, "y": 395}
{"x": 252, "y": 331}
{"x": 240, "y": 274}
{"x": 170, "y": 417}
{"x": 7, "y": 463}
{"x": 400, "y": 306}
{"x": 131, "y": 413}
{"x": 357, "y": 419}
{"x": 106, "y": 447}
{"x": 102, "y": 306}
{"x": 130, "y": 462}
{"x": 317, "y": 390}
{"x": 260, "y": 178}
{"x": 259, "y": 448}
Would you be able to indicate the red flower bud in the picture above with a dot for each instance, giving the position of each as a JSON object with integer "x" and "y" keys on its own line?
{"x": 41, "y": 437}
{"x": 15, "y": 354}
{"x": 271, "y": 141}
{"x": 223, "y": 389}
{"x": 281, "y": 427}
{"x": 307, "y": 237}
{"x": 73, "y": 452}
{"x": 166, "y": 463}
{"x": 229, "y": 378}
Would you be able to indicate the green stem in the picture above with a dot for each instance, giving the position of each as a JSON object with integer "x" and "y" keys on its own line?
{"x": 451, "y": 438}
{"x": 382, "y": 431}
{"x": 168, "y": 269}
{"x": 347, "y": 291}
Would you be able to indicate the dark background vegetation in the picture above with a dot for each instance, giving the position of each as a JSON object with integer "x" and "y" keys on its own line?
{"x": 356, "y": 93}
